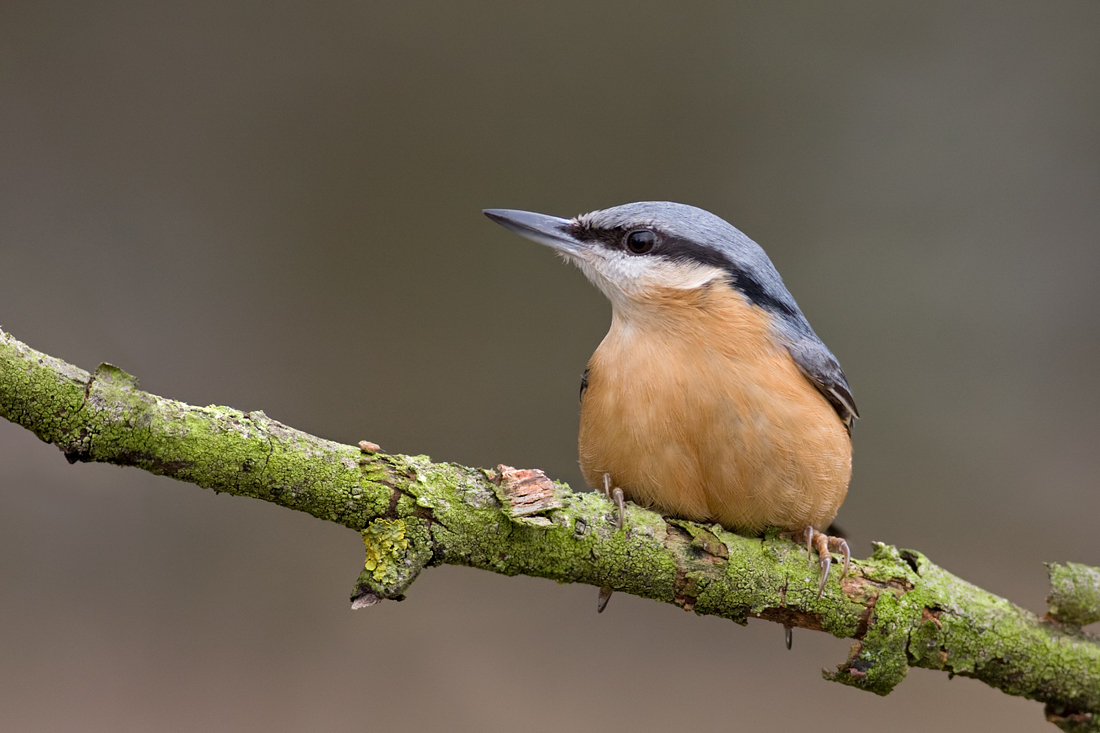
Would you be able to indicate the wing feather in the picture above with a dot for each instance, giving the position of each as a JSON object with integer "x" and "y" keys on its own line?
{"x": 818, "y": 364}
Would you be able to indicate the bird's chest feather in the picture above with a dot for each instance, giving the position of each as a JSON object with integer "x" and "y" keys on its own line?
{"x": 701, "y": 414}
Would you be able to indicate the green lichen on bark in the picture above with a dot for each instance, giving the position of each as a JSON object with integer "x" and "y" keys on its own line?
{"x": 1074, "y": 593}
{"x": 103, "y": 417}
{"x": 900, "y": 609}
{"x": 386, "y": 545}
{"x": 396, "y": 551}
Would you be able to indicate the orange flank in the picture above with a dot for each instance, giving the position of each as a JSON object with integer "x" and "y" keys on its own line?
{"x": 725, "y": 430}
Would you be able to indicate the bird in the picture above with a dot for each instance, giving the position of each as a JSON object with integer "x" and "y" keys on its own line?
{"x": 710, "y": 398}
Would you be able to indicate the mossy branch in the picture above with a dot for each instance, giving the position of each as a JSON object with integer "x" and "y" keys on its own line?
{"x": 900, "y": 609}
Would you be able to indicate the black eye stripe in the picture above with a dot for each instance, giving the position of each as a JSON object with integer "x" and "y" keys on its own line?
{"x": 618, "y": 238}
{"x": 684, "y": 250}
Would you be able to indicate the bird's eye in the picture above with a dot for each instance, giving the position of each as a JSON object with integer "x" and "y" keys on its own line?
{"x": 640, "y": 241}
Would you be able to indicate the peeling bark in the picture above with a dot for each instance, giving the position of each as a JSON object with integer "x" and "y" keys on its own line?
{"x": 900, "y": 609}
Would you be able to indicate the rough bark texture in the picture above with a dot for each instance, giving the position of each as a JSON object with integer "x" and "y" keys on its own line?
{"x": 900, "y": 609}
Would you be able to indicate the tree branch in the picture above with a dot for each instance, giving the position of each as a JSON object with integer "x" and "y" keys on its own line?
{"x": 900, "y": 609}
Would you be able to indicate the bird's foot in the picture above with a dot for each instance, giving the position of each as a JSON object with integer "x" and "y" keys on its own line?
{"x": 825, "y": 546}
{"x": 616, "y": 495}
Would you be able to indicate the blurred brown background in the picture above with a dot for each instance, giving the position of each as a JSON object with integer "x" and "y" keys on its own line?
{"x": 277, "y": 206}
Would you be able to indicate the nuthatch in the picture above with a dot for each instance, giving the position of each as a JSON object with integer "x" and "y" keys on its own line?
{"x": 710, "y": 398}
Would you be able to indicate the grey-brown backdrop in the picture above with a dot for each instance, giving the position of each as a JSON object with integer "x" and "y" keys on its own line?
{"x": 276, "y": 206}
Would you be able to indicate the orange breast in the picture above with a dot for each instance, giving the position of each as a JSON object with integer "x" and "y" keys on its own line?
{"x": 694, "y": 410}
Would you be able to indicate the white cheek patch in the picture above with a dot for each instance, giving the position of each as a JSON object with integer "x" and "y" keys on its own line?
{"x": 623, "y": 276}
{"x": 679, "y": 276}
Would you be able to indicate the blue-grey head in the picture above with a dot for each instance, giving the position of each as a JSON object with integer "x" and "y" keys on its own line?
{"x": 629, "y": 250}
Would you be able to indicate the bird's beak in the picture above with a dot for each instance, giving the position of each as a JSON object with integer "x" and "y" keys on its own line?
{"x": 549, "y": 230}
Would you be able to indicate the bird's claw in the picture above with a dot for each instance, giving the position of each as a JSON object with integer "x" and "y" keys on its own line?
{"x": 825, "y": 546}
{"x": 616, "y": 495}
{"x": 605, "y": 596}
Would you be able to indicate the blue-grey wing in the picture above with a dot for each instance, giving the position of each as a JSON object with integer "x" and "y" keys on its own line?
{"x": 819, "y": 365}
